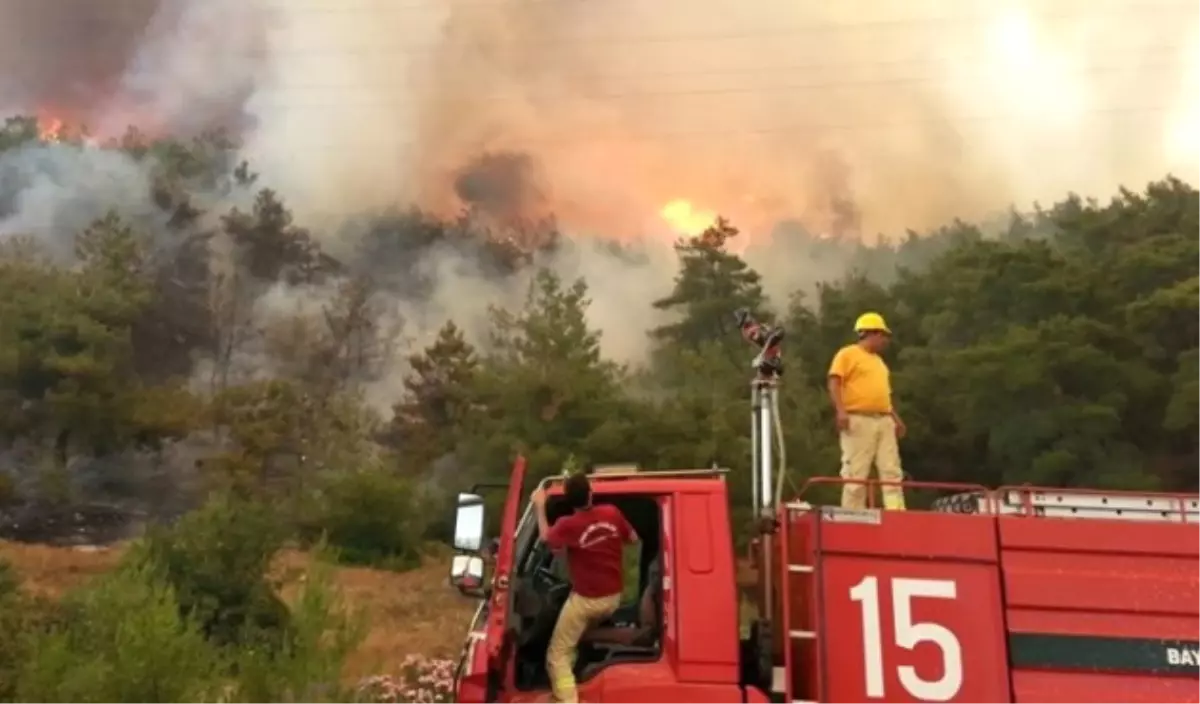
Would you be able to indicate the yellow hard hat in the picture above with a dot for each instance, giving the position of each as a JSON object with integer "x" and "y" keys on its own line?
{"x": 868, "y": 322}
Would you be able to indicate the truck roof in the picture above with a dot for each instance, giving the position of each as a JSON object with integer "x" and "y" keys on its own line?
{"x": 624, "y": 473}
{"x": 967, "y": 499}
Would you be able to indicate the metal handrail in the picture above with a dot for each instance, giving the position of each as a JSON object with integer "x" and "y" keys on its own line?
{"x": 995, "y": 498}
{"x": 871, "y": 484}
{"x": 1179, "y": 500}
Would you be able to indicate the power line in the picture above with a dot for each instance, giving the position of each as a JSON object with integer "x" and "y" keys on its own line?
{"x": 375, "y": 8}
{"x": 1122, "y": 56}
{"x": 1128, "y": 57}
{"x": 450, "y": 46}
{"x": 1083, "y": 8}
{"x": 595, "y": 134}
{"x": 648, "y": 95}
{"x": 792, "y": 32}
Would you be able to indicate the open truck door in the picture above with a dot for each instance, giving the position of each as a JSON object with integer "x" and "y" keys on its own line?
{"x": 483, "y": 667}
{"x": 498, "y": 638}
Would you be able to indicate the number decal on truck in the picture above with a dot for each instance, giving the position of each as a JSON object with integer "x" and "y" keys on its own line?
{"x": 908, "y": 635}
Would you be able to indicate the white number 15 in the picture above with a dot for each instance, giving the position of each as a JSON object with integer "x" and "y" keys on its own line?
{"x": 908, "y": 635}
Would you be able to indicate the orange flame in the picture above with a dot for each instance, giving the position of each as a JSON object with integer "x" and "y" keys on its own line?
{"x": 50, "y": 129}
{"x": 685, "y": 219}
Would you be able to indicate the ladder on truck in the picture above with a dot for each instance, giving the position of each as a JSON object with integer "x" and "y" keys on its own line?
{"x": 808, "y": 631}
{"x": 1069, "y": 503}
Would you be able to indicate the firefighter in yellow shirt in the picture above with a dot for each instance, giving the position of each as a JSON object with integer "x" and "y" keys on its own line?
{"x": 869, "y": 427}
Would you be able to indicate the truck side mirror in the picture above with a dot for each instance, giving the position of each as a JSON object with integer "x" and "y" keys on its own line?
{"x": 468, "y": 523}
{"x": 466, "y": 574}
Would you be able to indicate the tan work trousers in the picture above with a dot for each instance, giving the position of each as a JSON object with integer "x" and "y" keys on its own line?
{"x": 871, "y": 438}
{"x": 578, "y": 614}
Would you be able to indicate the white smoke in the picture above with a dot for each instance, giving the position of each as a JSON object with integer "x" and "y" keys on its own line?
{"x": 58, "y": 190}
{"x": 196, "y": 60}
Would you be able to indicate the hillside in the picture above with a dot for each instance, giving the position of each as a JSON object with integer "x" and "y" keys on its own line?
{"x": 414, "y": 612}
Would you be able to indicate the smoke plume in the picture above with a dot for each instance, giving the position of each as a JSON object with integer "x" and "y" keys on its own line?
{"x": 760, "y": 110}
{"x": 853, "y": 118}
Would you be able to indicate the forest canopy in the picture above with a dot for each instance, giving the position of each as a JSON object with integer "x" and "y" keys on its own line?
{"x": 193, "y": 335}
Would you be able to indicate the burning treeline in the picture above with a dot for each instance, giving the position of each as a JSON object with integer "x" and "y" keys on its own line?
{"x": 852, "y": 118}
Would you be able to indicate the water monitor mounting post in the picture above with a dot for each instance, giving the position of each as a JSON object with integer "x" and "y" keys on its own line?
{"x": 765, "y": 429}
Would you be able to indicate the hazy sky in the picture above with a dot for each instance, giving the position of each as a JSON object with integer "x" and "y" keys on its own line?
{"x": 764, "y": 109}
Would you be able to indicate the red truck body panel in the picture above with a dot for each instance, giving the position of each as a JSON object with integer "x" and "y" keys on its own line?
{"x": 642, "y": 682}
{"x": 505, "y": 554}
{"x": 1090, "y": 605}
{"x": 880, "y": 632}
{"x": 1030, "y": 609}
{"x": 704, "y": 583}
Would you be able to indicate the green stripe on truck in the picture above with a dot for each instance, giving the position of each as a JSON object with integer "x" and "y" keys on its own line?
{"x": 1044, "y": 651}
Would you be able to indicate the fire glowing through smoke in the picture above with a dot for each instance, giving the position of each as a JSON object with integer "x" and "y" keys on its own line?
{"x": 50, "y": 129}
{"x": 686, "y": 219}
{"x": 55, "y": 128}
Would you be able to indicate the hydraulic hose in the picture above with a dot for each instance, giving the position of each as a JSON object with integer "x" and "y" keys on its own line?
{"x": 781, "y": 451}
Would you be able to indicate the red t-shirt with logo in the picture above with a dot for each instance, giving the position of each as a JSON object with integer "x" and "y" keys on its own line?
{"x": 594, "y": 539}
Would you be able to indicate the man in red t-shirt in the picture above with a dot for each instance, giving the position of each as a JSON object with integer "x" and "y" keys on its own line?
{"x": 594, "y": 538}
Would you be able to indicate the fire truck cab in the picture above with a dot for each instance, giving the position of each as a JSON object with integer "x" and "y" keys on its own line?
{"x": 645, "y": 652}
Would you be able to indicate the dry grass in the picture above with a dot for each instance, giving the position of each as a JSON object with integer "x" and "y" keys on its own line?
{"x": 409, "y": 612}
{"x": 51, "y": 571}
{"x": 413, "y": 612}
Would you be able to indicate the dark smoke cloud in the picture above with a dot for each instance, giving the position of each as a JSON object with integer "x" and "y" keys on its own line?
{"x": 507, "y": 193}
{"x": 165, "y": 65}
{"x": 504, "y": 183}
{"x": 66, "y": 55}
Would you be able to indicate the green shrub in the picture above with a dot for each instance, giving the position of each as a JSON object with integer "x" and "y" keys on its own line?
{"x": 372, "y": 518}
{"x": 189, "y": 615}
{"x": 14, "y": 626}
{"x": 217, "y": 559}
{"x": 122, "y": 638}
{"x": 324, "y": 632}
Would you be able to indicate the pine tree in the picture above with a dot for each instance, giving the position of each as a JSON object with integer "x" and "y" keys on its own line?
{"x": 711, "y": 284}
{"x": 437, "y": 398}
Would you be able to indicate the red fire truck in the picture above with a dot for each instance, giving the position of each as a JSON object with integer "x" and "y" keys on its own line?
{"x": 1007, "y": 595}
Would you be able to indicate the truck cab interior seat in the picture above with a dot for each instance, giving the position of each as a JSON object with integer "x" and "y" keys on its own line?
{"x": 619, "y": 638}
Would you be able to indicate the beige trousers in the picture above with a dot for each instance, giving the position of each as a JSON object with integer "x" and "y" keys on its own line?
{"x": 871, "y": 439}
{"x": 578, "y": 614}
